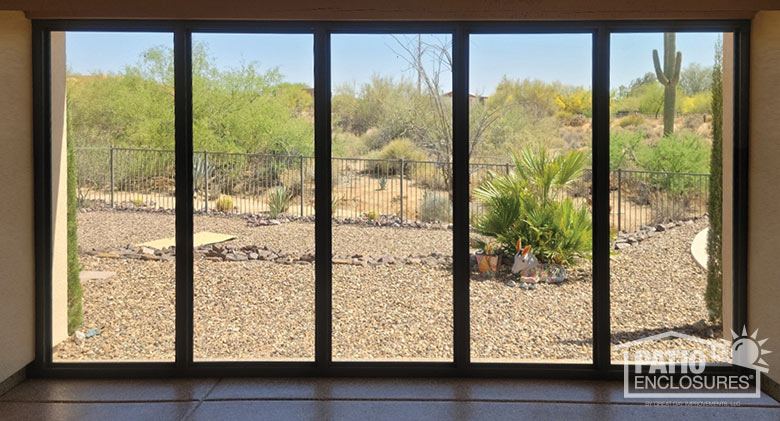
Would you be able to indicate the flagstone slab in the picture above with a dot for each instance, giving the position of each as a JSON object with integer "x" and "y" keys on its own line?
{"x": 198, "y": 239}
{"x": 88, "y": 275}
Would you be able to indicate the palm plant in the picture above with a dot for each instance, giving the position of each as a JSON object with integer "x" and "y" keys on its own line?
{"x": 527, "y": 204}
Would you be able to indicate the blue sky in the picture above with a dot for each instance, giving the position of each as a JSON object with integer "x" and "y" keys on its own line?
{"x": 355, "y": 58}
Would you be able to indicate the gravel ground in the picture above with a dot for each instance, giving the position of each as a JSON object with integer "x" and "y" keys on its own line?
{"x": 116, "y": 229}
{"x": 265, "y": 311}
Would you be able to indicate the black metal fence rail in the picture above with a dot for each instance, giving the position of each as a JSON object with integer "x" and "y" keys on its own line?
{"x": 372, "y": 188}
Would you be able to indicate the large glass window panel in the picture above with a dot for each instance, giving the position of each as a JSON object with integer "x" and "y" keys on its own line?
{"x": 667, "y": 145}
{"x": 113, "y": 186}
{"x": 253, "y": 141}
{"x": 391, "y": 189}
{"x": 530, "y": 198}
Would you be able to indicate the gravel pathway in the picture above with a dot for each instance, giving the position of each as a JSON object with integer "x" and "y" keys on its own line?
{"x": 265, "y": 311}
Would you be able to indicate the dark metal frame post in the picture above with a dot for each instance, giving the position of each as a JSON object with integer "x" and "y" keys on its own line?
{"x": 323, "y": 234}
{"x": 460, "y": 200}
{"x": 111, "y": 173}
{"x": 401, "y": 187}
{"x": 600, "y": 198}
{"x": 206, "y": 181}
{"x": 182, "y": 59}
{"x": 619, "y": 190}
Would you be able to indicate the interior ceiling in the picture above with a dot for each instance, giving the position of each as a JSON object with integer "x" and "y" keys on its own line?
{"x": 392, "y": 10}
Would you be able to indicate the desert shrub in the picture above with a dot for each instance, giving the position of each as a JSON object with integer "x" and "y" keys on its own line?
{"x": 681, "y": 152}
{"x": 697, "y": 104}
{"x": 372, "y": 215}
{"x": 525, "y": 204}
{"x": 631, "y": 120}
{"x": 394, "y": 151}
{"x": 224, "y": 204}
{"x": 435, "y": 207}
{"x": 623, "y": 145}
{"x": 138, "y": 202}
{"x": 279, "y": 200}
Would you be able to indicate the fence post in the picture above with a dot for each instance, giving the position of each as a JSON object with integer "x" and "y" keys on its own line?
{"x": 506, "y": 167}
{"x": 401, "y": 180}
{"x": 301, "y": 194}
{"x": 620, "y": 187}
{"x": 111, "y": 173}
{"x": 206, "y": 181}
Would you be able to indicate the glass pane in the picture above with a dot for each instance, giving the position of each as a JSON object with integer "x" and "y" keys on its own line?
{"x": 253, "y": 134}
{"x": 662, "y": 134}
{"x": 113, "y": 179}
{"x": 392, "y": 239}
{"x": 530, "y": 189}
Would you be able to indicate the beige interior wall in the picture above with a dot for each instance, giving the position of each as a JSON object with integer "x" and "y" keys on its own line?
{"x": 764, "y": 190}
{"x": 17, "y": 301}
{"x": 59, "y": 189}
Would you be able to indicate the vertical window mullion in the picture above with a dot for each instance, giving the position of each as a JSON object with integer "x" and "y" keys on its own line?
{"x": 601, "y": 302}
{"x": 460, "y": 199}
{"x": 182, "y": 59}
{"x": 323, "y": 236}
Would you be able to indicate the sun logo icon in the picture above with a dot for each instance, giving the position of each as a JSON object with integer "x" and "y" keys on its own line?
{"x": 746, "y": 351}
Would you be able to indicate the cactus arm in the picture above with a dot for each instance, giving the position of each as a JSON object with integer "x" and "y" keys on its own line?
{"x": 677, "y": 66}
{"x": 658, "y": 72}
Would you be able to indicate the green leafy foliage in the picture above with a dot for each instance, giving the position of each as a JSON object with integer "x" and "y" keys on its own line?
{"x": 526, "y": 204}
{"x": 682, "y": 152}
{"x": 243, "y": 109}
{"x": 395, "y": 151}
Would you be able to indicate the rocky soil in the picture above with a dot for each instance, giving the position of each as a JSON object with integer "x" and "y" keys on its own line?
{"x": 264, "y": 309}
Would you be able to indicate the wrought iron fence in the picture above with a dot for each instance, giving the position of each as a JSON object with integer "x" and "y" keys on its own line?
{"x": 409, "y": 190}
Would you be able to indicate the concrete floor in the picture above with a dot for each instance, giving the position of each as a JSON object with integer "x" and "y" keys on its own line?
{"x": 358, "y": 399}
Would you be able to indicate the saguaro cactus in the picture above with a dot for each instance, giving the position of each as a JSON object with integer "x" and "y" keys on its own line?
{"x": 669, "y": 77}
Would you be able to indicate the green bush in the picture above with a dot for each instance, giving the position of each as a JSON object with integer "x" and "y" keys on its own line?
{"x": 394, "y": 151}
{"x": 525, "y": 204}
{"x": 224, "y": 204}
{"x": 682, "y": 152}
{"x": 631, "y": 120}
{"x": 75, "y": 292}
{"x": 435, "y": 207}
{"x": 279, "y": 200}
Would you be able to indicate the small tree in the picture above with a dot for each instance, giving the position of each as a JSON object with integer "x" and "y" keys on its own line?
{"x": 713, "y": 294}
{"x": 75, "y": 311}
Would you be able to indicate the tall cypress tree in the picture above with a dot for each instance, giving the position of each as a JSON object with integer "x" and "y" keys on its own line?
{"x": 713, "y": 294}
{"x": 75, "y": 311}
